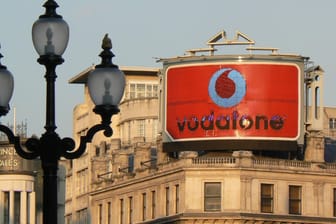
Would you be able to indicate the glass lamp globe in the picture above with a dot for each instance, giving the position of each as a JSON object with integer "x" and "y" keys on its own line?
{"x": 106, "y": 86}
{"x": 50, "y": 36}
{"x": 6, "y": 87}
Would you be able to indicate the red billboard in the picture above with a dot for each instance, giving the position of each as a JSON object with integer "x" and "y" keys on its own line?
{"x": 222, "y": 101}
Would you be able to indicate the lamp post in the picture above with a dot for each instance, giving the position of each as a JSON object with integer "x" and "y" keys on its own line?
{"x": 106, "y": 84}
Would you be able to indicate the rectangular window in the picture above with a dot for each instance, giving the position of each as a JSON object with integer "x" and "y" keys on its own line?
{"x": 82, "y": 180}
{"x": 109, "y": 213}
{"x": 97, "y": 151}
{"x": 82, "y": 215}
{"x": 153, "y": 157}
{"x": 155, "y": 90}
{"x": 130, "y": 210}
{"x": 132, "y": 91}
{"x": 107, "y": 148}
{"x": 149, "y": 90}
{"x": 128, "y": 131}
{"x": 130, "y": 163}
{"x": 144, "y": 204}
{"x": 177, "y": 198}
{"x": 295, "y": 197}
{"x": 332, "y": 123}
{"x": 155, "y": 129}
{"x": 141, "y": 128}
{"x": 121, "y": 211}
{"x": 167, "y": 201}
{"x": 212, "y": 196}
{"x": 85, "y": 215}
{"x": 153, "y": 204}
{"x": 141, "y": 89}
{"x": 86, "y": 180}
{"x": 334, "y": 202}
{"x": 266, "y": 198}
{"x": 100, "y": 214}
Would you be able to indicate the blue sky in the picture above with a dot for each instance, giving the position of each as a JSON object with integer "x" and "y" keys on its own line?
{"x": 144, "y": 30}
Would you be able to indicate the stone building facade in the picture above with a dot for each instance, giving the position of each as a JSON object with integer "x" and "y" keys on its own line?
{"x": 237, "y": 188}
{"x": 20, "y": 201}
{"x": 129, "y": 179}
{"x": 134, "y": 177}
{"x": 135, "y": 126}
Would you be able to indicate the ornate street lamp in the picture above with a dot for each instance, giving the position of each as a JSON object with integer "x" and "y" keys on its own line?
{"x": 106, "y": 84}
{"x": 6, "y": 88}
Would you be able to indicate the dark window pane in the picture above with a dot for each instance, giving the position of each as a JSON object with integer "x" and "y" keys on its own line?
{"x": 295, "y": 200}
{"x": 167, "y": 201}
{"x": 130, "y": 210}
{"x": 212, "y": 204}
{"x": 177, "y": 198}
{"x": 332, "y": 123}
{"x": 121, "y": 211}
{"x": 109, "y": 211}
{"x": 334, "y": 202}
{"x": 212, "y": 196}
{"x": 266, "y": 201}
{"x": 144, "y": 206}
{"x": 153, "y": 204}
{"x": 131, "y": 163}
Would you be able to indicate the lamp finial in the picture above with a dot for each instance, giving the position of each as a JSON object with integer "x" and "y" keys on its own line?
{"x": 1, "y": 66}
{"x": 107, "y": 43}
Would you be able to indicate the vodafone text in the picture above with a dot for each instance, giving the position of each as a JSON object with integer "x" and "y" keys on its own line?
{"x": 231, "y": 121}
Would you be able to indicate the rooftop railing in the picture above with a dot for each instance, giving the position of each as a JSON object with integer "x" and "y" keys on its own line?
{"x": 262, "y": 163}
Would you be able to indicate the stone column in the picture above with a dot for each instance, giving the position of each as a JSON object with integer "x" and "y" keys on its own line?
{"x": 2, "y": 205}
{"x": 23, "y": 207}
{"x": 32, "y": 209}
{"x": 246, "y": 193}
{"x": 314, "y": 147}
{"x": 162, "y": 157}
{"x": 243, "y": 158}
{"x": 11, "y": 207}
{"x": 142, "y": 154}
{"x": 120, "y": 162}
{"x": 115, "y": 144}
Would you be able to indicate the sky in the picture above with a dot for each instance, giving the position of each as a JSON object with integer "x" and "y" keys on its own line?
{"x": 144, "y": 30}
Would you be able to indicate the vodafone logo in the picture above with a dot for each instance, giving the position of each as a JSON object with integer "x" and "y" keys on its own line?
{"x": 227, "y": 87}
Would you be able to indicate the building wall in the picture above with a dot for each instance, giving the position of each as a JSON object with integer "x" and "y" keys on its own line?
{"x": 17, "y": 199}
{"x": 20, "y": 187}
{"x": 127, "y": 178}
{"x": 240, "y": 192}
{"x": 132, "y": 126}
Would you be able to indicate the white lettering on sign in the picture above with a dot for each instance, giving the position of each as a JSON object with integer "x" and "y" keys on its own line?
{"x": 8, "y": 157}
{"x": 9, "y": 162}
{"x": 7, "y": 151}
